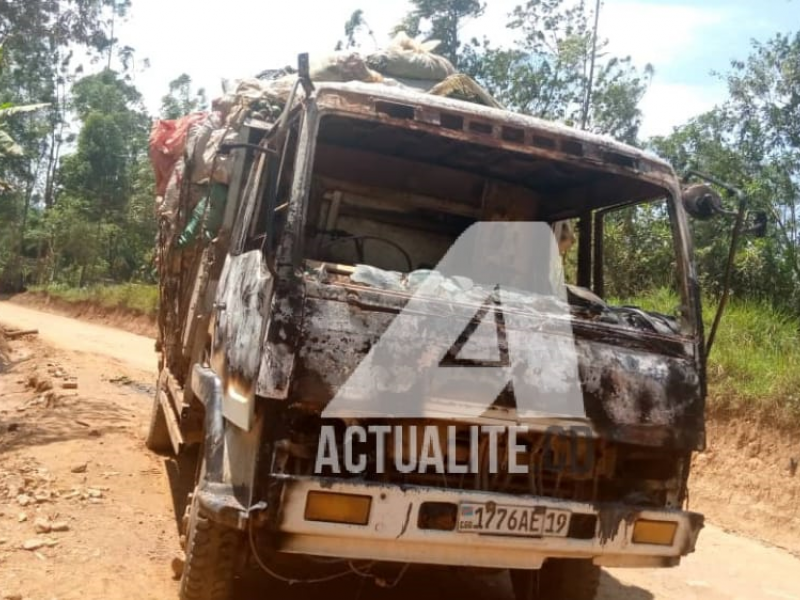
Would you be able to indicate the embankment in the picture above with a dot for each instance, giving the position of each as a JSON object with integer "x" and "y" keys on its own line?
{"x": 748, "y": 479}
{"x": 121, "y": 317}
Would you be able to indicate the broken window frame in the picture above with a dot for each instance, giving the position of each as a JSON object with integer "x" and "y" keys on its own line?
{"x": 597, "y": 255}
{"x": 293, "y": 251}
{"x": 255, "y": 223}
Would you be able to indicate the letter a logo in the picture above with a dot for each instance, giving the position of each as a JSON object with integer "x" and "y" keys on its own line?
{"x": 492, "y": 316}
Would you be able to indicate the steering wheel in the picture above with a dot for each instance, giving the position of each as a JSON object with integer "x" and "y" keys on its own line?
{"x": 359, "y": 240}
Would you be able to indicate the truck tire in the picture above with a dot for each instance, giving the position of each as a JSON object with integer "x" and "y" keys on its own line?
{"x": 558, "y": 579}
{"x": 213, "y": 553}
{"x": 158, "y": 439}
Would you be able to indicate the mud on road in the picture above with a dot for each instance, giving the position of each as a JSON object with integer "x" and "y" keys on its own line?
{"x": 73, "y": 460}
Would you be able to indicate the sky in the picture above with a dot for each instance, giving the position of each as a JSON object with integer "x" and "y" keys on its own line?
{"x": 686, "y": 41}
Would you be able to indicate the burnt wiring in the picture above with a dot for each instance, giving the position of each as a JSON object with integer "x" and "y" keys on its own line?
{"x": 281, "y": 578}
{"x": 352, "y": 569}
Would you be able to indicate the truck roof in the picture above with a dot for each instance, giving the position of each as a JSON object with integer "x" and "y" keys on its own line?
{"x": 506, "y": 127}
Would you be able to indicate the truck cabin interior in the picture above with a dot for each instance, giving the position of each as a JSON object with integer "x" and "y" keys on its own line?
{"x": 397, "y": 198}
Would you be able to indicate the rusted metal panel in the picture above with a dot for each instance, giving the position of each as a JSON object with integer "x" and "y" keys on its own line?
{"x": 280, "y": 340}
{"x": 568, "y": 144}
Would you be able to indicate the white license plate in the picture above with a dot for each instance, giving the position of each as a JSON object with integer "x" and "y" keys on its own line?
{"x": 505, "y": 519}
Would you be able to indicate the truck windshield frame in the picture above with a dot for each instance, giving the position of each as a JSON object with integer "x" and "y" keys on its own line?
{"x": 646, "y": 183}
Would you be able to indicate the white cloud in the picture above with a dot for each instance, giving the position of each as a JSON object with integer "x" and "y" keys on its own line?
{"x": 658, "y": 34}
{"x": 492, "y": 23}
{"x": 669, "y": 105}
{"x": 242, "y": 37}
{"x": 665, "y": 36}
{"x": 650, "y": 33}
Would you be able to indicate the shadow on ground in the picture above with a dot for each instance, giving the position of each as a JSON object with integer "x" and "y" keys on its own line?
{"x": 181, "y": 472}
{"x": 612, "y": 589}
{"x": 60, "y": 420}
{"x": 420, "y": 584}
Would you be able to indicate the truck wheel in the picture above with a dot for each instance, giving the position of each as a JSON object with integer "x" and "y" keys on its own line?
{"x": 157, "y": 438}
{"x": 558, "y": 579}
{"x": 212, "y": 555}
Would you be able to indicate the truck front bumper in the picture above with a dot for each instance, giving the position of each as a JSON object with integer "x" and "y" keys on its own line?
{"x": 394, "y": 531}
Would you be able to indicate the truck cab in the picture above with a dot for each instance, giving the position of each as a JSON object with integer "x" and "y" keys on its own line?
{"x": 394, "y": 279}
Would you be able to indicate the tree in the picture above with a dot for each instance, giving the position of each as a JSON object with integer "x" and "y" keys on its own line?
{"x": 546, "y": 73}
{"x": 40, "y": 39}
{"x": 98, "y": 182}
{"x": 182, "y": 99}
{"x": 60, "y": 22}
{"x": 763, "y": 114}
{"x": 441, "y": 20}
{"x": 753, "y": 142}
{"x": 8, "y": 147}
{"x": 111, "y": 141}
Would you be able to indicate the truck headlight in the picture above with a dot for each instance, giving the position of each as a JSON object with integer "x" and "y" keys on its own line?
{"x": 660, "y": 533}
{"x": 331, "y": 507}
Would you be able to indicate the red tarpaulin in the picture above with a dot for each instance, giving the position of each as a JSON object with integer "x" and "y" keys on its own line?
{"x": 167, "y": 143}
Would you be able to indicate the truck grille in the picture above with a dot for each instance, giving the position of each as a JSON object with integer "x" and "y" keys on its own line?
{"x": 558, "y": 463}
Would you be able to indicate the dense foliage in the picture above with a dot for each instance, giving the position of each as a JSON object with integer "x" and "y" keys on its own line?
{"x": 753, "y": 141}
{"x": 76, "y": 188}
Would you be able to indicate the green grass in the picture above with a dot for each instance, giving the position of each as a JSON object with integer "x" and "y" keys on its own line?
{"x": 138, "y": 297}
{"x": 754, "y": 364}
{"x": 755, "y": 361}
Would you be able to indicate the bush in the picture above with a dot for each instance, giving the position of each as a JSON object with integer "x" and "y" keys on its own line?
{"x": 138, "y": 297}
{"x": 755, "y": 362}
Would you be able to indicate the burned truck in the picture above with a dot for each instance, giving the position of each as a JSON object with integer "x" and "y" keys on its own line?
{"x": 332, "y": 223}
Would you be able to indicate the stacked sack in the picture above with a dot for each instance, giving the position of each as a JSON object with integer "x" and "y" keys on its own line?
{"x": 188, "y": 147}
{"x": 406, "y": 62}
{"x": 412, "y": 63}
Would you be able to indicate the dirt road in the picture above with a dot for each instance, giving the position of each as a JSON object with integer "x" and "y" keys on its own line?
{"x": 133, "y": 351}
{"x": 75, "y": 460}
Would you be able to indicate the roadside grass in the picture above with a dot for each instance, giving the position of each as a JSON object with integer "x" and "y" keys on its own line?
{"x": 754, "y": 366}
{"x": 138, "y": 297}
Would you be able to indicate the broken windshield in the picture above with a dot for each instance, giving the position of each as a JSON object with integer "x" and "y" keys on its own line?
{"x": 387, "y": 203}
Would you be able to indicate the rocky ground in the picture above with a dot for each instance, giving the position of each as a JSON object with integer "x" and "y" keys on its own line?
{"x": 84, "y": 511}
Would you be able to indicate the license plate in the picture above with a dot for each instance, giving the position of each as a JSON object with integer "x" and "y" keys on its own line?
{"x": 504, "y": 519}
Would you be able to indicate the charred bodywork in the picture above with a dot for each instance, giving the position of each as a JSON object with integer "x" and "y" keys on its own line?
{"x": 643, "y": 383}
{"x": 361, "y": 175}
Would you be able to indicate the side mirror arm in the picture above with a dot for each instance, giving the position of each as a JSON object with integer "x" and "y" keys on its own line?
{"x": 738, "y": 226}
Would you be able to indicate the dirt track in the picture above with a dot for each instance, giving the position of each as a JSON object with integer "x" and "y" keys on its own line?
{"x": 121, "y": 516}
